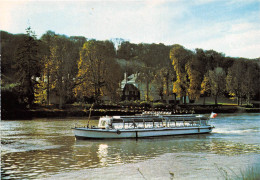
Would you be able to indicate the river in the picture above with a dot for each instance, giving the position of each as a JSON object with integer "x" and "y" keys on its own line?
{"x": 42, "y": 148}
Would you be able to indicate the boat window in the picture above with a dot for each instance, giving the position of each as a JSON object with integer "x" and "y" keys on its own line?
{"x": 103, "y": 123}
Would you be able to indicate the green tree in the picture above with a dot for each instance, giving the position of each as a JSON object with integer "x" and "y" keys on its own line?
{"x": 148, "y": 55}
{"x": 27, "y": 67}
{"x": 127, "y": 51}
{"x": 9, "y": 46}
{"x": 213, "y": 59}
{"x": 126, "y": 55}
{"x": 251, "y": 80}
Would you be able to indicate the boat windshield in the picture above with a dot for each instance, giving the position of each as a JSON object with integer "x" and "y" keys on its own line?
{"x": 104, "y": 122}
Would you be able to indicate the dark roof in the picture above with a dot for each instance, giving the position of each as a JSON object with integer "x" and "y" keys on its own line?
{"x": 130, "y": 87}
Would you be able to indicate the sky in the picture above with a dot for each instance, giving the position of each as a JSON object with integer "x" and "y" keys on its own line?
{"x": 228, "y": 26}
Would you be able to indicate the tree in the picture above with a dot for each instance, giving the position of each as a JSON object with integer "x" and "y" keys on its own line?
{"x": 63, "y": 67}
{"x": 243, "y": 79}
{"x": 98, "y": 71}
{"x": 213, "y": 59}
{"x": 251, "y": 80}
{"x": 196, "y": 69}
{"x": 27, "y": 67}
{"x": 205, "y": 87}
{"x": 146, "y": 76}
{"x": 59, "y": 61}
{"x": 112, "y": 79}
{"x": 163, "y": 79}
{"x": 235, "y": 80}
{"x": 148, "y": 55}
{"x": 9, "y": 46}
{"x": 217, "y": 82}
{"x": 43, "y": 86}
{"x": 180, "y": 56}
{"x": 127, "y": 50}
{"x": 195, "y": 78}
{"x": 126, "y": 55}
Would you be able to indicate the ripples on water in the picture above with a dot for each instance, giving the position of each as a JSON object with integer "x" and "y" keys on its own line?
{"x": 33, "y": 149}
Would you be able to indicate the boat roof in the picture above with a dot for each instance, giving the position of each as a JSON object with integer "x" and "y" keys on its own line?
{"x": 157, "y": 118}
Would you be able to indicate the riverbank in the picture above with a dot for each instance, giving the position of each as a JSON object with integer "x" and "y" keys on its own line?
{"x": 168, "y": 166}
{"x": 82, "y": 111}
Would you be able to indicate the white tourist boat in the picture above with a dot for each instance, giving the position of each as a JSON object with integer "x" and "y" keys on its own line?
{"x": 146, "y": 125}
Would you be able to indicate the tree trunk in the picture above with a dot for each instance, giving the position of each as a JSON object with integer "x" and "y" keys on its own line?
{"x": 48, "y": 89}
{"x": 61, "y": 98}
{"x": 61, "y": 92}
{"x": 204, "y": 99}
{"x": 248, "y": 99}
{"x": 167, "y": 100}
{"x": 60, "y": 102}
{"x": 175, "y": 100}
{"x": 167, "y": 91}
{"x": 30, "y": 92}
{"x": 216, "y": 99}
{"x": 181, "y": 100}
{"x": 147, "y": 91}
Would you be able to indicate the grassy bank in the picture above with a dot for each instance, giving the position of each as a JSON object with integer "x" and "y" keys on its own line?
{"x": 126, "y": 109}
{"x": 250, "y": 173}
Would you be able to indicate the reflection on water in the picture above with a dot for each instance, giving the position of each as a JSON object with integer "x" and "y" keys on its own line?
{"x": 102, "y": 154}
{"x": 33, "y": 149}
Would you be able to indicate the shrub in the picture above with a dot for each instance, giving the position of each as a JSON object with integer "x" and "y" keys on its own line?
{"x": 159, "y": 105}
{"x": 145, "y": 104}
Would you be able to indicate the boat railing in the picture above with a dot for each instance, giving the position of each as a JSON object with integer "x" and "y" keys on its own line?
{"x": 158, "y": 122}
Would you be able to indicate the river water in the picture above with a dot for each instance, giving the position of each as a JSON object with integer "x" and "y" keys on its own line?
{"x": 41, "y": 148}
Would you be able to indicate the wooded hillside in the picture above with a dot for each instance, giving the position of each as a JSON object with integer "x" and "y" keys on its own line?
{"x": 77, "y": 69}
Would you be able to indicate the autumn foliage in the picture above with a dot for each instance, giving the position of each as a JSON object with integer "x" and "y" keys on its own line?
{"x": 77, "y": 69}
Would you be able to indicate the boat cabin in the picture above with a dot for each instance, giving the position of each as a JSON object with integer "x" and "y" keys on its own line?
{"x": 105, "y": 122}
{"x": 151, "y": 121}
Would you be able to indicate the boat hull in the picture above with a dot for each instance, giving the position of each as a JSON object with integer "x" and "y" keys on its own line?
{"x": 88, "y": 133}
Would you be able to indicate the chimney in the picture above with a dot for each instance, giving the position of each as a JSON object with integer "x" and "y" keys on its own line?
{"x": 125, "y": 77}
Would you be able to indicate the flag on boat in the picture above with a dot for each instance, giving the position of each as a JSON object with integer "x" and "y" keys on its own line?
{"x": 213, "y": 115}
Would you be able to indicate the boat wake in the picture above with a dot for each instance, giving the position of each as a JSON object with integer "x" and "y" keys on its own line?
{"x": 238, "y": 131}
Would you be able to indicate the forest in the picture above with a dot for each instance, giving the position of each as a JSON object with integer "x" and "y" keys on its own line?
{"x": 77, "y": 69}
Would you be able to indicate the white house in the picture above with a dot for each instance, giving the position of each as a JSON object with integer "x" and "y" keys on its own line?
{"x": 131, "y": 93}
